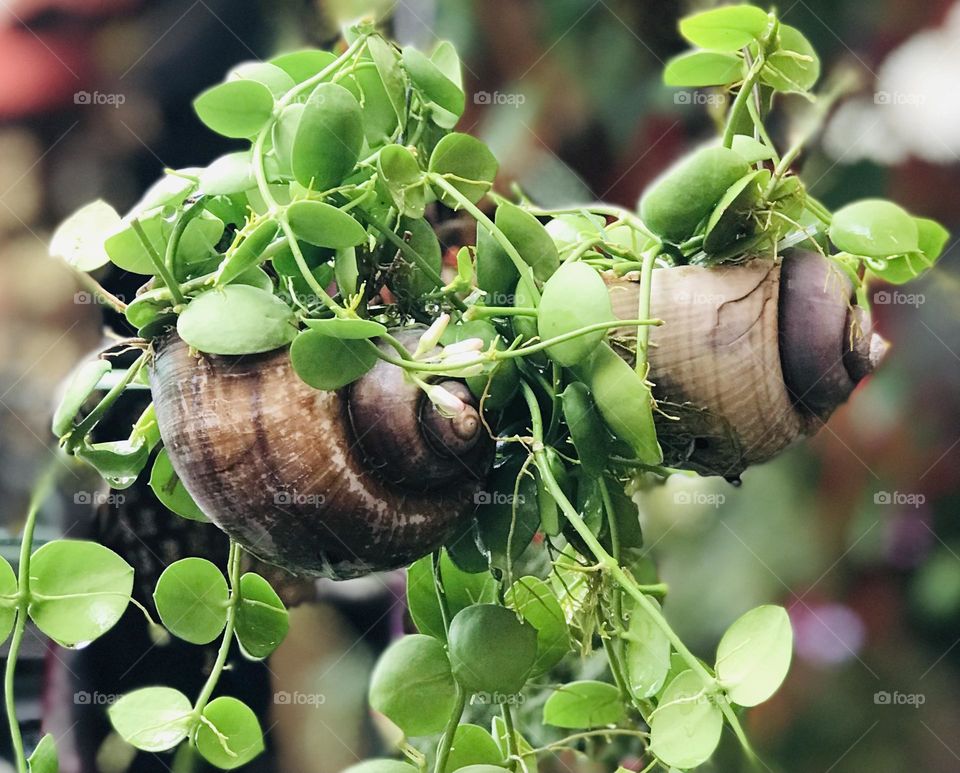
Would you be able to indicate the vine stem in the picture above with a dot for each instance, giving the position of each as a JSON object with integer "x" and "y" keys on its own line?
{"x": 233, "y": 573}
{"x": 162, "y": 271}
{"x": 441, "y": 182}
{"x": 23, "y": 604}
{"x": 743, "y": 96}
{"x": 450, "y": 730}
{"x": 610, "y": 565}
{"x": 98, "y": 290}
{"x": 643, "y": 310}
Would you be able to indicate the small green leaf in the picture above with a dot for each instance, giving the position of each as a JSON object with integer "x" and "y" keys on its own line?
{"x": 794, "y": 66}
{"x": 587, "y": 431}
{"x": 262, "y": 619}
{"x": 127, "y": 251}
{"x": 153, "y": 719}
{"x": 753, "y": 656}
{"x": 727, "y": 28}
{"x": 324, "y": 225}
{"x": 531, "y": 239}
{"x": 284, "y": 137}
{"x": 44, "y": 756}
{"x": 82, "y": 384}
{"x": 237, "y": 108}
{"x": 79, "y": 239}
{"x": 78, "y": 590}
{"x": 170, "y": 491}
{"x": 403, "y": 177}
{"x": 527, "y": 756}
{"x": 696, "y": 69}
{"x": 328, "y": 139}
{"x": 535, "y": 601}
{"x": 430, "y": 79}
{"x": 751, "y": 150}
{"x": 446, "y": 59}
{"x": 685, "y": 728}
{"x": 507, "y": 522}
{"x": 330, "y": 363}
{"x": 647, "y": 653}
{"x": 875, "y": 228}
{"x": 406, "y": 278}
{"x": 191, "y": 598}
{"x": 580, "y": 705}
{"x": 932, "y": 238}
{"x": 305, "y": 63}
{"x": 412, "y": 685}
{"x": 237, "y": 319}
{"x": 270, "y": 75}
{"x": 467, "y": 163}
{"x": 472, "y": 745}
{"x": 351, "y": 329}
{"x": 346, "y": 271}
{"x": 461, "y": 589}
{"x": 381, "y": 765}
{"x": 231, "y": 173}
{"x": 229, "y": 734}
{"x": 248, "y": 254}
{"x": 118, "y": 461}
{"x": 8, "y": 599}
{"x": 573, "y": 298}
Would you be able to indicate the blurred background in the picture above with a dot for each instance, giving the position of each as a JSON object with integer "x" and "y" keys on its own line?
{"x": 856, "y": 533}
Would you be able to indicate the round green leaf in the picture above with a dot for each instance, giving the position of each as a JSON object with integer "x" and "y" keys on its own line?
{"x": 432, "y": 81}
{"x": 727, "y": 28}
{"x": 461, "y": 590}
{"x": 933, "y": 237}
{"x": 79, "y": 239}
{"x": 330, "y": 363}
{"x": 753, "y": 656}
{"x": 126, "y": 249}
{"x": 231, "y": 173}
{"x": 237, "y": 319}
{"x": 647, "y": 653}
{"x": 875, "y": 228}
{"x": 235, "y": 737}
{"x": 153, "y": 719}
{"x": 191, "y": 598}
{"x": 304, "y": 64}
{"x": 82, "y": 384}
{"x": 580, "y": 705}
{"x": 794, "y": 66}
{"x": 531, "y": 239}
{"x": 350, "y": 329}
{"x": 468, "y": 164}
{"x": 237, "y": 108}
{"x": 685, "y": 728}
{"x": 472, "y": 745}
{"x": 500, "y": 670}
{"x": 403, "y": 177}
{"x": 538, "y": 605}
{"x": 324, "y": 225}
{"x": 169, "y": 490}
{"x": 752, "y": 150}
{"x": 270, "y": 75}
{"x": 406, "y": 278}
{"x": 8, "y": 599}
{"x": 703, "y": 68}
{"x": 328, "y": 139}
{"x": 262, "y": 619}
{"x": 412, "y": 685}
{"x": 78, "y": 590}
{"x": 573, "y": 298}
{"x": 118, "y": 461}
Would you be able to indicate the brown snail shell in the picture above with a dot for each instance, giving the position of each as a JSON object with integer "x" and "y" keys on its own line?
{"x": 750, "y": 358}
{"x": 281, "y": 467}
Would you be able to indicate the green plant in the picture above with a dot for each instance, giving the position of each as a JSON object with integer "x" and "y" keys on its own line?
{"x": 295, "y": 239}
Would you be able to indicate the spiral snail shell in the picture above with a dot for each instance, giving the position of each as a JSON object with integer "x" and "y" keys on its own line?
{"x": 751, "y": 357}
{"x": 337, "y": 484}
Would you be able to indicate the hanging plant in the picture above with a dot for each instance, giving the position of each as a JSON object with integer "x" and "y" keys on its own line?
{"x": 334, "y": 403}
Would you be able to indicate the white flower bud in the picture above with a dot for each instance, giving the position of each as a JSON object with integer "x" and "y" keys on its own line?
{"x": 467, "y": 346}
{"x": 446, "y": 402}
{"x": 432, "y": 335}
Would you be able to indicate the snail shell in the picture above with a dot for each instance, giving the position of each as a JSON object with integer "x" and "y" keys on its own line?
{"x": 317, "y": 482}
{"x": 750, "y": 357}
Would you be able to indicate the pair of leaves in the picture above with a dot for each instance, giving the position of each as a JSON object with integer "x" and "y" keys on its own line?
{"x": 192, "y": 598}
{"x": 461, "y": 590}
{"x": 155, "y": 719}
